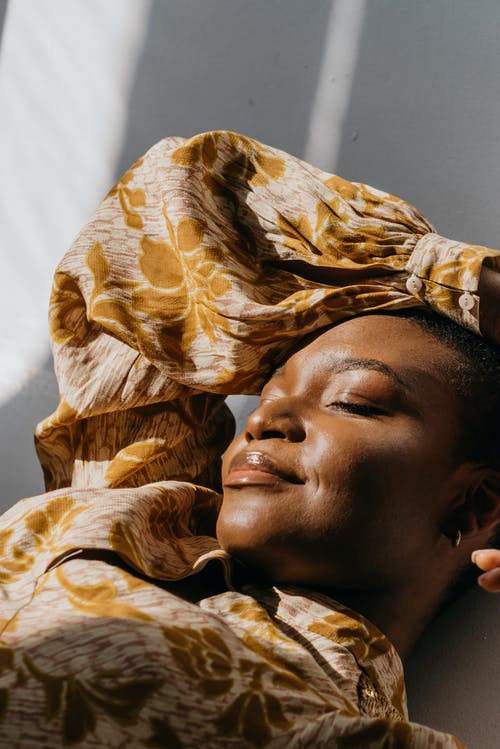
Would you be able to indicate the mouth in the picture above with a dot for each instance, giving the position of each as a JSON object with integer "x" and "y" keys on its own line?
{"x": 256, "y": 469}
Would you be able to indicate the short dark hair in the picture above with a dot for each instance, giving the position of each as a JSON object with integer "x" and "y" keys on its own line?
{"x": 476, "y": 380}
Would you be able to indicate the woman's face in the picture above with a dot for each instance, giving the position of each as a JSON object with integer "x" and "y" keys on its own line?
{"x": 342, "y": 474}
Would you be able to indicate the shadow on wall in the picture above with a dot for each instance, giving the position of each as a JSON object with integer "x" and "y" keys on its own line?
{"x": 232, "y": 65}
{"x": 20, "y": 472}
{"x": 422, "y": 121}
{"x": 452, "y": 675}
{"x": 3, "y": 11}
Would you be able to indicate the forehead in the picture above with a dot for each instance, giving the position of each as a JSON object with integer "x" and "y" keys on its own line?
{"x": 398, "y": 347}
{"x": 394, "y": 338}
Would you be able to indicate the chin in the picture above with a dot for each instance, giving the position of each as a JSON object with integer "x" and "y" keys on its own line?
{"x": 266, "y": 559}
{"x": 236, "y": 535}
{"x": 275, "y": 561}
{"x": 245, "y": 543}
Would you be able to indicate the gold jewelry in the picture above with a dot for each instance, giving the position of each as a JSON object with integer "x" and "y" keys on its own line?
{"x": 458, "y": 538}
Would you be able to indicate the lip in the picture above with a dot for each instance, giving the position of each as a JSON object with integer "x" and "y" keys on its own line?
{"x": 253, "y": 468}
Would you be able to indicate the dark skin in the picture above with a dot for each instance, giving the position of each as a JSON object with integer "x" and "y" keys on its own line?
{"x": 346, "y": 478}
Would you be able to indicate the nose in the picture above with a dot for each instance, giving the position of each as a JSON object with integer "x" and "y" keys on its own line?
{"x": 276, "y": 419}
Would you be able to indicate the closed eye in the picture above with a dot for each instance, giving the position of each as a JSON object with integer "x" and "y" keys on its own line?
{"x": 360, "y": 409}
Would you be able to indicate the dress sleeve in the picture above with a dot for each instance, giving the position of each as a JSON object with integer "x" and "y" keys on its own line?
{"x": 193, "y": 280}
{"x": 445, "y": 274}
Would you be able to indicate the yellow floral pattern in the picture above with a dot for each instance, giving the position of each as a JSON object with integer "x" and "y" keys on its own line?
{"x": 130, "y": 199}
{"x": 192, "y": 281}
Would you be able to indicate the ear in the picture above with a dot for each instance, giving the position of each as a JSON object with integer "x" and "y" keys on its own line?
{"x": 476, "y": 511}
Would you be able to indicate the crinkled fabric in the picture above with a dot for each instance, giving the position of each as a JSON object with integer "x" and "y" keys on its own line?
{"x": 193, "y": 280}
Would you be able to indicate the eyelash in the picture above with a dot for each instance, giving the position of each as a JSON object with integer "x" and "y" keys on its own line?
{"x": 360, "y": 409}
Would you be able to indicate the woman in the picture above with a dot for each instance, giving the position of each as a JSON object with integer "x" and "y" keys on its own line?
{"x": 372, "y": 457}
{"x": 212, "y": 262}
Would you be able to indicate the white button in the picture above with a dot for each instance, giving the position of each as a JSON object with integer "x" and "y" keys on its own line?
{"x": 414, "y": 284}
{"x": 466, "y": 301}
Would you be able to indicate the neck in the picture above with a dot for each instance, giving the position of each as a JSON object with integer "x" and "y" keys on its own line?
{"x": 401, "y": 614}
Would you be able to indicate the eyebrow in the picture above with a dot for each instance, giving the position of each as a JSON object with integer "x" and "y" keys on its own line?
{"x": 347, "y": 364}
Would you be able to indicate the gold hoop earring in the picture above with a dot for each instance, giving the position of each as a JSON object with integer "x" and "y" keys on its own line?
{"x": 458, "y": 538}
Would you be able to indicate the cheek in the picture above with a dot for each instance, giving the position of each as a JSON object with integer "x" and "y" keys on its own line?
{"x": 369, "y": 474}
{"x": 367, "y": 488}
{"x": 349, "y": 460}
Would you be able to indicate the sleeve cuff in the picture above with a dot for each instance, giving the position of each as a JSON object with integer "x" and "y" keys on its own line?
{"x": 445, "y": 275}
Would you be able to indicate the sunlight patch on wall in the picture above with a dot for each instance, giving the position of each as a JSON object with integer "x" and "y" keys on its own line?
{"x": 335, "y": 81}
{"x": 66, "y": 72}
